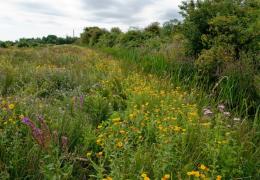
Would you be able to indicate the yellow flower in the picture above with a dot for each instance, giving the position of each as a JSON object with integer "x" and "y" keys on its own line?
{"x": 11, "y": 106}
{"x": 99, "y": 141}
{"x": 122, "y": 132}
{"x": 89, "y": 154}
{"x": 203, "y": 167}
{"x": 145, "y": 176}
{"x": 194, "y": 173}
{"x": 219, "y": 177}
{"x": 99, "y": 154}
{"x": 115, "y": 120}
{"x": 166, "y": 177}
{"x": 119, "y": 144}
{"x": 21, "y": 116}
{"x": 108, "y": 178}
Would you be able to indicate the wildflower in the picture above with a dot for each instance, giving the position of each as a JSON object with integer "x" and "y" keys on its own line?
{"x": 38, "y": 136}
{"x": 115, "y": 120}
{"x": 99, "y": 154}
{"x": 194, "y": 173}
{"x": 122, "y": 132}
{"x": 108, "y": 178}
{"x": 219, "y": 177}
{"x": 11, "y": 106}
{"x": 226, "y": 114}
{"x": 145, "y": 176}
{"x": 236, "y": 119}
{"x": 207, "y": 112}
{"x": 166, "y": 177}
{"x": 203, "y": 176}
{"x": 27, "y": 121}
{"x": 119, "y": 144}
{"x": 221, "y": 107}
{"x": 89, "y": 154}
{"x": 99, "y": 142}
{"x": 203, "y": 167}
{"x": 21, "y": 116}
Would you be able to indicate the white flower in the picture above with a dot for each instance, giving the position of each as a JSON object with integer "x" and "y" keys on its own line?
{"x": 236, "y": 119}
{"x": 226, "y": 114}
{"x": 207, "y": 112}
{"x": 221, "y": 107}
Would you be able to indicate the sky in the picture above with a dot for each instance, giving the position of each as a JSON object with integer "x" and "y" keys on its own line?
{"x": 37, "y": 18}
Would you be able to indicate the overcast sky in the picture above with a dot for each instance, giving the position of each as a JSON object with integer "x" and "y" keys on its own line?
{"x": 37, "y": 18}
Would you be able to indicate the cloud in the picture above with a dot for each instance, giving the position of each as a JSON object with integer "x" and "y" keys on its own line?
{"x": 170, "y": 14}
{"x": 39, "y": 8}
{"x": 36, "y": 18}
{"x": 114, "y": 10}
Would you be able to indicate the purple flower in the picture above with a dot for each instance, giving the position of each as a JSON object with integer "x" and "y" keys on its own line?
{"x": 37, "y": 132}
{"x": 28, "y": 122}
{"x": 38, "y": 136}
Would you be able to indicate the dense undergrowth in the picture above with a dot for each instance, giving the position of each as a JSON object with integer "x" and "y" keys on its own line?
{"x": 72, "y": 113}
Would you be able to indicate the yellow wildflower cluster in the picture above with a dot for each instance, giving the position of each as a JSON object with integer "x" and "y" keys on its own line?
{"x": 145, "y": 176}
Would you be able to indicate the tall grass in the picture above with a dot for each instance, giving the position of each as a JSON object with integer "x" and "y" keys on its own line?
{"x": 228, "y": 89}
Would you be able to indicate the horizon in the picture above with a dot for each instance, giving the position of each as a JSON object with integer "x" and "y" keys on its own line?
{"x": 35, "y": 19}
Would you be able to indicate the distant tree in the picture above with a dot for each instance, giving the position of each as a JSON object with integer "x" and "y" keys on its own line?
{"x": 170, "y": 27}
{"x": 154, "y": 28}
{"x": 91, "y": 35}
{"x": 3, "y": 44}
{"x": 116, "y": 30}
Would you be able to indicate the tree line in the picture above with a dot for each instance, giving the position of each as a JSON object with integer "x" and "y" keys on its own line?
{"x": 34, "y": 42}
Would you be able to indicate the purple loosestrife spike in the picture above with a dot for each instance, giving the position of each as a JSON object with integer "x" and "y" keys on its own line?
{"x": 45, "y": 131}
{"x": 38, "y": 136}
{"x": 28, "y": 122}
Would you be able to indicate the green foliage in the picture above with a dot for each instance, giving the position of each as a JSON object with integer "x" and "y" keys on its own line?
{"x": 34, "y": 42}
{"x": 91, "y": 35}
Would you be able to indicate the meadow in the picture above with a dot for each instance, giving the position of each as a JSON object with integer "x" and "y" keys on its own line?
{"x": 69, "y": 112}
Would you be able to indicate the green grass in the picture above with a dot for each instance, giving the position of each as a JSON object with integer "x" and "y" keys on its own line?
{"x": 115, "y": 118}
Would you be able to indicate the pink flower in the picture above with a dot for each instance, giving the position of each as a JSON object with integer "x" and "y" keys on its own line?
{"x": 221, "y": 107}
{"x": 207, "y": 112}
